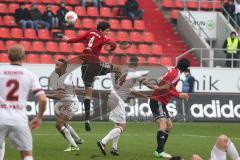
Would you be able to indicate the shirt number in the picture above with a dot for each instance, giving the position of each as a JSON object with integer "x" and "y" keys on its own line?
{"x": 14, "y": 85}
{"x": 90, "y": 43}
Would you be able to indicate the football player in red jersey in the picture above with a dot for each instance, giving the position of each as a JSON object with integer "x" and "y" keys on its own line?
{"x": 162, "y": 94}
{"x": 94, "y": 40}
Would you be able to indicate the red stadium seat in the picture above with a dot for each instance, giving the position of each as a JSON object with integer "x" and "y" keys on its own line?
{"x": 110, "y": 2}
{"x": 1, "y": 21}
{"x": 72, "y": 1}
{"x": 55, "y": 9}
{"x": 105, "y": 12}
{"x": 103, "y": 59}
{"x": 132, "y": 50}
{"x": 4, "y": 58}
{"x": 30, "y": 34}
{"x": 114, "y": 24}
{"x": 174, "y": 14}
{"x": 92, "y": 11}
{"x": 80, "y": 11}
{"x": 118, "y": 50}
{"x": 56, "y": 57}
{"x": 135, "y": 37}
{"x": 4, "y": 33}
{"x": 70, "y": 8}
{"x": 46, "y": 58}
{"x": 47, "y": 1}
{"x": 167, "y": 3}
{"x": 77, "y": 24}
{"x": 157, "y": 49}
{"x": 178, "y": 4}
{"x": 43, "y": 34}
{"x": 217, "y": 5}
{"x": 12, "y": 7}
{"x": 122, "y": 36}
{"x": 65, "y": 47}
{"x": 153, "y": 60}
{"x": 192, "y": 4}
{"x": 112, "y": 36}
{"x": 70, "y": 33}
{"x": 4, "y": 8}
{"x": 2, "y": 47}
{"x": 148, "y": 37}
{"x": 126, "y": 24}
{"x": 139, "y": 25}
{"x": 16, "y": 33}
{"x": 51, "y": 47}
{"x": 121, "y": 2}
{"x": 205, "y": 5}
{"x": 141, "y": 59}
{"x": 87, "y": 23}
{"x": 166, "y": 61}
{"x": 57, "y": 1}
{"x": 32, "y": 58}
{"x": 27, "y": 45}
{"x": 78, "y": 47}
{"x": 41, "y": 8}
{"x": 115, "y": 11}
{"x": 82, "y": 32}
{"x": 10, "y": 43}
{"x": 38, "y": 46}
{"x": 9, "y": 21}
{"x": 97, "y": 21}
{"x": 144, "y": 49}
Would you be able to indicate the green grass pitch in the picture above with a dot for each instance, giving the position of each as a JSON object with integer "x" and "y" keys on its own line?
{"x": 136, "y": 143}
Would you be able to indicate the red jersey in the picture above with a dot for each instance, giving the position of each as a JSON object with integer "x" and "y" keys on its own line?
{"x": 170, "y": 77}
{"x": 94, "y": 41}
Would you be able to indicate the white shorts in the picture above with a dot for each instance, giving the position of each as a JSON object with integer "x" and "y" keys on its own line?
{"x": 217, "y": 154}
{"x": 66, "y": 108}
{"x": 20, "y": 136}
{"x": 118, "y": 113}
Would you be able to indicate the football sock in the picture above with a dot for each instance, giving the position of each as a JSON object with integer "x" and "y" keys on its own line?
{"x": 232, "y": 151}
{"x": 64, "y": 130}
{"x": 72, "y": 132}
{"x": 161, "y": 140}
{"x": 166, "y": 137}
{"x": 115, "y": 142}
{"x": 112, "y": 134}
{"x": 2, "y": 151}
{"x": 28, "y": 158}
{"x": 87, "y": 108}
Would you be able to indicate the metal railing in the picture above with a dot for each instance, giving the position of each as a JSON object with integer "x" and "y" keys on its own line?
{"x": 229, "y": 18}
{"x": 209, "y": 58}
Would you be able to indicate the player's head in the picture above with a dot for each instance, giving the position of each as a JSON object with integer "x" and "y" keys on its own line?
{"x": 104, "y": 27}
{"x": 62, "y": 5}
{"x": 49, "y": 7}
{"x": 16, "y": 54}
{"x": 233, "y": 34}
{"x": 183, "y": 65}
{"x": 61, "y": 66}
{"x": 133, "y": 62}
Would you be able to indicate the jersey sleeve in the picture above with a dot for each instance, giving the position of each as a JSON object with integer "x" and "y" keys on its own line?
{"x": 174, "y": 93}
{"x": 79, "y": 38}
{"x": 35, "y": 86}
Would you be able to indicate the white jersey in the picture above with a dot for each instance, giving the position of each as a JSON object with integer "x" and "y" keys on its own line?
{"x": 15, "y": 84}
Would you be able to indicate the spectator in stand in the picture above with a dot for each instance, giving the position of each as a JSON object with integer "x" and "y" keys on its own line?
{"x": 188, "y": 83}
{"x": 38, "y": 18}
{"x": 22, "y": 17}
{"x": 96, "y": 3}
{"x": 132, "y": 10}
{"x": 237, "y": 12}
{"x": 230, "y": 8}
{"x": 50, "y": 17}
{"x": 231, "y": 44}
{"x": 62, "y": 11}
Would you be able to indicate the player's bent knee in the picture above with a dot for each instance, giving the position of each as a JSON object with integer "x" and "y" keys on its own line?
{"x": 28, "y": 158}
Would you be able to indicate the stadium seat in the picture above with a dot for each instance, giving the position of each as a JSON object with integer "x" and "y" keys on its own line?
{"x": 47, "y": 1}
{"x": 57, "y": 1}
{"x": 115, "y": 11}
{"x": 82, "y": 32}
{"x": 32, "y": 58}
{"x": 9, "y": 20}
{"x": 65, "y": 47}
{"x": 217, "y": 5}
{"x": 205, "y": 5}
{"x": 118, "y": 50}
{"x": 70, "y": 33}
{"x": 56, "y": 57}
{"x": 12, "y": 7}
{"x": 77, "y": 24}
{"x": 105, "y": 12}
{"x": 141, "y": 60}
{"x": 73, "y": 59}
{"x": 4, "y": 33}
{"x": 10, "y": 43}
{"x": 43, "y": 34}
{"x": 51, "y": 47}
{"x": 110, "y": 2}
{"x": 132, "y": 49}
{"x": 55, "y": 9}
{"x": 70, "y": 8}
{"x": 16, "y": 33}
{"x": 135, "y": 37}
{"x": 103, "y": 59}
{"x": 80, "y": 11}
{"x": 121, "y": 2}
{"x": 166, "y": 61}
{"x": 92, "y": 11}
{"x": 30, "y": 33}
{"x": 192, "y": 4}
{"x": 4, "y": 58}
{"x": 144, "y": 49}
{"x": 46, "y": 58}
{"x": 153, "y": 60}
{"x": 4, "y": 8}
{"x": 72, "y": 1}
{"x": 122, "y": 36}
{"x": 27, "y": 45}
{"x": 87, "y": 23}
{"x": 38, "y": 46}
{"x": 112, "y": 36}
{"x": 126, "y": 24}
{"x": 167, "y": 3}
{"x": 114, "y": 24}
{"x": 139, "y": 25}
{"x": 178, "y": 4}
{"x": 97, "y": 21}
{"x": 1, "y": 21}
{"x": 157, "y": 49}
{"x": 41, "y": 8}
{"x": 148, "y": 37}
{"x": 174, "y": 14}
{"x": 78, "y": 47}
{"x": 2, "y": 47}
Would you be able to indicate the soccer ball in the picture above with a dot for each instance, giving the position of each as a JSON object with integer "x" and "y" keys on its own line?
{"x": 71, "y": 17}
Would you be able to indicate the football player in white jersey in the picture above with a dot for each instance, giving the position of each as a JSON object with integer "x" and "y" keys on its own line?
{"x": 15, "y": 84}
{"x": 116, "y": 101}
{"x": 67, "y": 105}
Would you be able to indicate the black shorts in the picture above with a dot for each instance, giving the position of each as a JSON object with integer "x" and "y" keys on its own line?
{"x": 158, "y": 109}
{"x": 91, "y": 70}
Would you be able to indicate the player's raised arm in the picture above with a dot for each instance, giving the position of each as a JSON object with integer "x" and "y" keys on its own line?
{"x": 79, "y": 38}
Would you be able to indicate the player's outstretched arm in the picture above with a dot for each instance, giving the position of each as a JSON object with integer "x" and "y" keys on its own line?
{"x": 59, "y": 94}
{"x": 138, "y": 94}
{"x": 184, "y": 96}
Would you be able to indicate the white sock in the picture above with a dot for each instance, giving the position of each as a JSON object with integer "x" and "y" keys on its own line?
{"x": 28, "y": 158}
{"x": 68, "y": 136}
{"x": 115, "y": 142}
{"x": 112, "y": 134}
{"x": 2, "y": 151}
{"x": 72, "y": 132}
{"x": 232, "y": 151}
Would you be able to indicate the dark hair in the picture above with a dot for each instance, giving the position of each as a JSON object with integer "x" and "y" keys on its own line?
{"x": 103, "y": 25}
{"x": 187, "y": 70}
{"x": 183, "y": 64}
{"x": 21, "y": 4}
{"x": 233, "y": 33}
{"x": 133, "y": 61}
